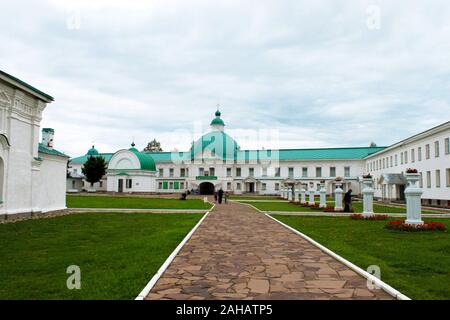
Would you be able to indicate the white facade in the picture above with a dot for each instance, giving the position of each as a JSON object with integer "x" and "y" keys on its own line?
{"x": 32, "y": 175}
{"x": 428, "y": 152}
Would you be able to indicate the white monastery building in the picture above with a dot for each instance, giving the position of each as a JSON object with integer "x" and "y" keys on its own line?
{"x": 216, "y": 161}
{"x": 32, "y": 174}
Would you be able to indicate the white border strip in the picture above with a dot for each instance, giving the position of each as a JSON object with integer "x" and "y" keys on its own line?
{"x": 169, "y": 260}
{"x": 377, "y": 282}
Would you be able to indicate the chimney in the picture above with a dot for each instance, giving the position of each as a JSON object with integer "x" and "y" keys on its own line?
{"x": 47, "y": 137}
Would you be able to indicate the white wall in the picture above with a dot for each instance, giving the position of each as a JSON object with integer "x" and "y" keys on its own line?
{"x": 52, "y": 184}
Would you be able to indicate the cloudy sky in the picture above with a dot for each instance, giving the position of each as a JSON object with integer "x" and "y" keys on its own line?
{"x": 288, "y": 74}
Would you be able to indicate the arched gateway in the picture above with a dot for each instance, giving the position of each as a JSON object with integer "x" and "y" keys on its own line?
{"x": 206, "y": 188}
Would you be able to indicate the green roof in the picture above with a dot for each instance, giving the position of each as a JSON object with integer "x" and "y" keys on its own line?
{"x": 218, "y": 143}
{"x": 282, "y": 154}
{"x": 30, "y": 87}
{"x": 146, "y": 160}
{"x": 53, "y": 152}
{"x": 217, "y": 121}
{"x": 92, "y": 152}
{"x": 83, "y": 159}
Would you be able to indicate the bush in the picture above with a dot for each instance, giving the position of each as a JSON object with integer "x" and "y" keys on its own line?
{"x": 359, "y": 216}
{"x": 427, "y": 226}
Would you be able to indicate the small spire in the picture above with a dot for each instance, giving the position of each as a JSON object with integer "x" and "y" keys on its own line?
{"x": 218, "y": 114}
{"x": 133, "y": 144}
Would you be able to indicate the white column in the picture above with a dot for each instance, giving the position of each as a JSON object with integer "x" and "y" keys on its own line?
{"x": 311, "y": 195}
{"x": 338, "y": 197}
{"x": 413, "y": 195}
{"x": 303, "y": 195}
{"x": 323, "y": 195}
{"x": 296, "y": 199}
{"x": 289, "y": 194}
{"x": 368, "y": 196}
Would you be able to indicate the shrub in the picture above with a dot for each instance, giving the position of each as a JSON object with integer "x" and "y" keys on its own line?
{"x": 411, "y": 170}
{"x": 427, "y": 226}
{"x": 359, "y": 216}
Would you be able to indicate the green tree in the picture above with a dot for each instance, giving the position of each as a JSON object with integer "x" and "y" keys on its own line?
{"x": 94, "y": 169}
{"x": 153, "y": 146}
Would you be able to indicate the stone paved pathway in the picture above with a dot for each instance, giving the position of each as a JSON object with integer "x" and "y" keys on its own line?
{"x": 237, "y": 253}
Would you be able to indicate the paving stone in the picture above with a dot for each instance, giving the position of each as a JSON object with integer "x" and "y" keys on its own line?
{"x": 238, "y": 253}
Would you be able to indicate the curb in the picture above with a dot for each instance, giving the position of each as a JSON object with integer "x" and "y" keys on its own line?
{"x": 169, "y": 260}
{"x": 377, "y": 282}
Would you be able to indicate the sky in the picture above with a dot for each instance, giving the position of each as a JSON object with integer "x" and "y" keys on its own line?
{"x": 286, "y": 74}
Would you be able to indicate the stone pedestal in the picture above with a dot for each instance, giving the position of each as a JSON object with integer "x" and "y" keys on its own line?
{"x": 413, "y": 194}
{"x": 367, "y": 192}
{"x": 338, "y": 197}
{"x": 283, "y": 193}
{"x": 296, "y": 199}
{"x": 323, "y": 196}
{"x": 289, "y": 192}
{"x": 311, "y": 196}
{"x": 303, "y": 195}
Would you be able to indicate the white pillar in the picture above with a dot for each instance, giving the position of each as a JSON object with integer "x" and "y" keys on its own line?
{"x": 338, "y": 197}
{"x": 368, "y": 196}
{"x": 284, "y": 196}
{"x": 323, "y": 195}
{"x": 289, "y": 194}
{"x": 303, "y": 195}
{"x": 296, "y": 200}
{"x": 413, "y": 195}
{"x": 311, "y": 195}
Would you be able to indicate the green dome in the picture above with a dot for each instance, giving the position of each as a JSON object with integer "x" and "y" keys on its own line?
{"x": 92, "y": 152}
{"x": 217, "y": 121}
{"x": 146, "y": 160}
{"x": 218, "y": 143}
{"x": 218, "y": 114}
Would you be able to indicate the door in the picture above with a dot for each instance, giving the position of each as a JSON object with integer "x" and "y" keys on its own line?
{"x": 120, "y": 185}
{"x": 251, "y": 187}
{"x": 402, "y": 192}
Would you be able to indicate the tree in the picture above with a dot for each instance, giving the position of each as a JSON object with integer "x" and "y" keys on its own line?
{"x": 94, "y": 169}
{"x": 373, "y": 144}
{"x": 153, "y": 146}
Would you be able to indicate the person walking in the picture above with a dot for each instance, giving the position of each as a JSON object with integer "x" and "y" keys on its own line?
{"x": 226, "y": 197}
{"x": 215, "y": 196}
{"x": 347, "y": 200}
{"x": 220, "y": 195}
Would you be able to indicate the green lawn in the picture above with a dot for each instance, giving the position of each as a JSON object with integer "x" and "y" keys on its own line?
{"x": 416, "y": 264}
{"x": 134, "y": 203}
{"x": 235, "y": 197}
{"x": 118, "y": 253}
{"x": 290, "y": 207}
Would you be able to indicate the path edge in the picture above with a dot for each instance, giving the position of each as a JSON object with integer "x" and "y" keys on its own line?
{"x": 144, "y": 293}
{"x": 383, "y": 285}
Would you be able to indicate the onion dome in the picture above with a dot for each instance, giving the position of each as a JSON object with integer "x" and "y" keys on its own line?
{"x": 92, "y": 152}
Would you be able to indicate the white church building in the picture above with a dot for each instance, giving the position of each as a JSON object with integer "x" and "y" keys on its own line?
{"x": 32, "y": 173}
{"x": 216, "y": 161}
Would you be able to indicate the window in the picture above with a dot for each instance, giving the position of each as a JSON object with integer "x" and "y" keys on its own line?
{"x": 182, "y": 172}
{"x": 238, "y": 173}
{"x": 251, "y": 172}
{"x": 413, "y": 156}
{"x": 384, "y": 163}
{"x": 427, "y": 151}
{"x": 160, "y": 185}
{"x": 428, "y": 179}
{"x": 129, "y": 183}
{"x": 75, "y": 171}
{"x": 406, "y": 157}
{"x": 182, "y": 185}
{"x": 391, "y": 161}
{"x": 264, "y": 172}
{"x": 448, "y": 177}
{"x": 101, "y": 184}
{"x": 201, "y": 171}
{"x": 346, "y": 171}
{"x": 212, "y": 171}
{"x": 171, "y": 172}
{"x": 304, "y": 171}
{"x": 421, "y": 180}
{"x": 401, "y": 157}
{"x": 291, "y": 172}
{"x": 438, "y": 178}
{"x": 447, "y": 145}
{"x": 333, "y": 171}
{"x": 318, "y": 172}
{"x": 161, "y": 172}
{"x": 171, "y": 185}
{"x": 396, "y": 160}
{"x": 228, "y": 185}
{"x": 238, "y": 186}
{"x": 229, "y": 172}
{"x": 73, "y": 184}
{"x": 419, "y": 154}
{"x": 436, "y": 149}
{"x": 277, "y": 172}
{"x": 277, "y": 186}
{"x": 263, "y": 187}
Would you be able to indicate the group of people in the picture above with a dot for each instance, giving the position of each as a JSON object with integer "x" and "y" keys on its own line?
{"x": 220, "y": 195}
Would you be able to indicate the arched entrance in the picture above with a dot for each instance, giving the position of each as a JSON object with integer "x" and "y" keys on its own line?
{"x": 206, "y": 188}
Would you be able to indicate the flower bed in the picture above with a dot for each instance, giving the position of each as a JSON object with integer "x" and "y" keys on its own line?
{"x": 331, "y": 209}
{"x": 427, "y": 226}
{"x": 358, "y": 216}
